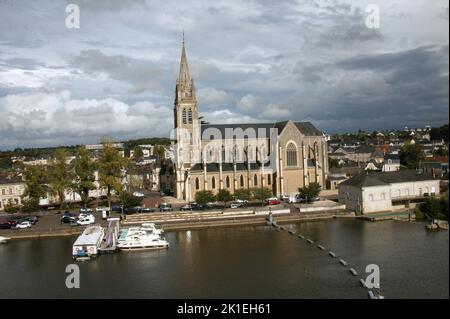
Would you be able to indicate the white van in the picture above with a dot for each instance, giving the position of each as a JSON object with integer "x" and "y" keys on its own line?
{"x": 86, "y": 220}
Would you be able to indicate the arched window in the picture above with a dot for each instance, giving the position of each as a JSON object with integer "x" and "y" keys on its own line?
{"x": 227, "y": 182}
{"x": 291, "y": 155}
{"x": 242, "y": 180}
{"x": 190, "y": 116}
{"x": 255, "y": 180}
{"x": 269, "y": 179}
{"x": 371, "y": 197}
{"x": 184, "y": 116}
{"x": 213, "y": 183}
{"x": 197, "y": 184}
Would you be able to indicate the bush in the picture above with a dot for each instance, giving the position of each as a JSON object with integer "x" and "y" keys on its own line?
{"x": 11, "y": 207}
{"x": 30, "y": 205}
{"x": 310, "y": 191}
{"x": 128, "y": 200}
{"x": 203, "y": 197}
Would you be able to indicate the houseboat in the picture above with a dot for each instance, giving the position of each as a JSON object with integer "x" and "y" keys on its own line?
{"x": 88, "y": 243}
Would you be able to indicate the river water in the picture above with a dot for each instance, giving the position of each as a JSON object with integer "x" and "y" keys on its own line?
{"x": 241, "y": 262}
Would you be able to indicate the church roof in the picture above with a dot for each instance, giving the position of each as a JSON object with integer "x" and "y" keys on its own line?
{"x": 263, "y": 129}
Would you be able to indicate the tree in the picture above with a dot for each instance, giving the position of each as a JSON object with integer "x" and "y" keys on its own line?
{"x": 35, "y": 178}
{"x": 431, "y": 207}
{"x": 159, "y": 151}
{"x": 224, "y": 196}
{"x": 310, "y": 191}
{"x": 11, "y": 207}
{"x": 203, "y": 197}
{"x": 84, "y": 175}
{"x": 110, "y": 166}
{"x": 261, "y": 193}
{"x": 444, "y": 205}
{"x": 411, "y": 155}
{"x": 440, "y": 133}
{"x": 29, "y": 205}
{"x": 60, "y": 175}
{"x": 243, "y": 194}
{"x": 128, "y": 200}
{"x": 138, "y": 154}
{"x": 333, "y": 162}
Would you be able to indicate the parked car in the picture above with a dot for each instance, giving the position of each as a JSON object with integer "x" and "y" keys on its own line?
{"x": 67, "y": 218}
{"x": 12, "y": 223}
{"x": 5, "y": 225}
{"x": 117, "y": 208}
{"x": 236, "y": 205}
{"x": 186, "y": 207}
{"x": 211, "y": 205}
{"x": 86, "y": 210}
{"x": 133, "y": 210}
{"x": 241, "y": 201}
{"x": 88, "y": 220}
{"x": 32, "y": 219}
{"x": 23, "y": 225}
{"x": 165, "y": 207}
{"x": 147, "y": 210}
{"x": 272, "y": 201}
{"x": 138, "y": 194}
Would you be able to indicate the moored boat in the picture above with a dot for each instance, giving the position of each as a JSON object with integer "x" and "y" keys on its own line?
{"x": 4, "y": 240}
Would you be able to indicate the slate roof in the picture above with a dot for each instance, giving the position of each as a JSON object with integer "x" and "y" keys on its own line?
{"x": 368, "y": 179}
{"x": 263, "y": 129}
{"x": 10, "y": 180}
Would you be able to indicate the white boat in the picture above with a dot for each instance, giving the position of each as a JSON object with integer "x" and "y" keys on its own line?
{"x": 87, "y": 244}
{"x": 4, "y": 240}
{"x": 151, "y": 228}
{"x": 139, "y": 241}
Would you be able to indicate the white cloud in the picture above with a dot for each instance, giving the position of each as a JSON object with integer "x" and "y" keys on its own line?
{"x": 51, "y": 118}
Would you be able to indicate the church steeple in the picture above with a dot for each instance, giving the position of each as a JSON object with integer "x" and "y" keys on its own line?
{"x": 183, "y": 76}
{"x": 185, "y": 108}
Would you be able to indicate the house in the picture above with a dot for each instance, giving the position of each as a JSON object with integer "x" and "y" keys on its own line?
{"x": 371, "y": 192}
{"x": 391, "y": 163}
{"x": 11, "y": 190}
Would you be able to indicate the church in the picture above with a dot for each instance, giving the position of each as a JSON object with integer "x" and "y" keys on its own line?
{"x": 282, "y": 156}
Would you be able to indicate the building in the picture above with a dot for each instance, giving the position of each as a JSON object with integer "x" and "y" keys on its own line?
{"x": 11, "y": 190}
{"x": 371, "y": 192}
{"x": 391, "y": 163}
{"x": 282, "y": 156}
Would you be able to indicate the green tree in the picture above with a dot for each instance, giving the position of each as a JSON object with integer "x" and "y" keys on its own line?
{"x": 310, "y": 191}
{"x": 110, "y": 165}
{"x": 29, "y": 205}
{"x": 261, "y": 194}
{"x": 35, "y": 178}
{"x": 411, "y": 155}
{"x": 431, "y": 207}
{"x": 243, "y": 194}
{"x": 138, "y": 154}
{"x": 159, "y": 151}
{"x": 128, "y": 200}
{"x": 224, "y": 196}
{"x": 84, "y": 175}
{"x": 203, "y": 197}
{"x": 60, "y": 175}
{"x": 11, "y": 207}
{"x": 444, "y": 206}
{"x": 333, "y": 162}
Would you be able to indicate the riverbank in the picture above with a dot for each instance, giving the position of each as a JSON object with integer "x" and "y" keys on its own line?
{"x": 175, "y": 221}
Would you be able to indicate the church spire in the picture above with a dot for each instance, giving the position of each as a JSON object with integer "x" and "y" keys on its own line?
{"x": 184, "y": 77}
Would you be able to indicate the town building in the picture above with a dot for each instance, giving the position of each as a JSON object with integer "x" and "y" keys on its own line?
{"x": 11, "y": 191}
{"x": 371, "y": 192}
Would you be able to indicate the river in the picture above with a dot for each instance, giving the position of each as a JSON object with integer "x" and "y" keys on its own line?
{"x": 241, "y": 262}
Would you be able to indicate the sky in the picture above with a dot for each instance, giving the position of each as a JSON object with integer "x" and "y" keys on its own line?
{"x": 252, "y": 61}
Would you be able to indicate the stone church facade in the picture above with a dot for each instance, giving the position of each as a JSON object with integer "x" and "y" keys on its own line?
{"x": 283, "y": 156}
